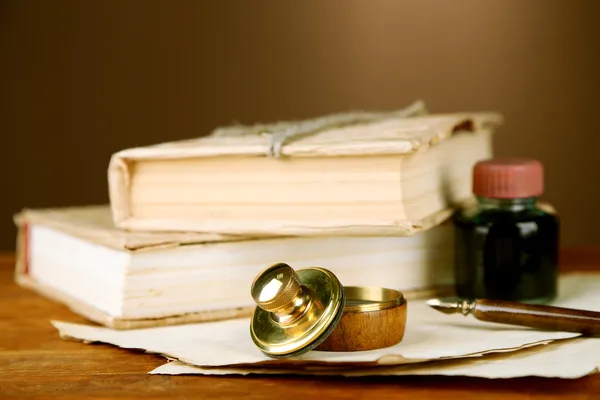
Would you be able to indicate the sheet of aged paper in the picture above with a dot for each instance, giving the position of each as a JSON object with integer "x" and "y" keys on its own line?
{"x": 430, "y": 335}
{"x": 566, "y": 359}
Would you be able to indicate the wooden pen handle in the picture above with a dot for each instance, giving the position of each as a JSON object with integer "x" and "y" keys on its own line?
{"x": 538, "y": 316}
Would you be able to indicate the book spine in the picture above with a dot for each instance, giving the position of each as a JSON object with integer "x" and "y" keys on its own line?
{"x": 22, "y": 252}
{"x": 119, "y": 179}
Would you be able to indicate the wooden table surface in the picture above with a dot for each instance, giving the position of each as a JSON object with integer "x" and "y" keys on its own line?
{"x": 35, "y": 362}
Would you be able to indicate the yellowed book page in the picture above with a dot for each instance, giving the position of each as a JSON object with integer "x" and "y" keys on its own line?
{"x": 410, "y": 194}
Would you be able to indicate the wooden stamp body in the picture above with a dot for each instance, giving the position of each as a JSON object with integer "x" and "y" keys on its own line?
{"x": 360, "y": 330}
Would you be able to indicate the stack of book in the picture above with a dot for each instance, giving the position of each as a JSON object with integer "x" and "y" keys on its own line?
{"x": 191, "y": 223}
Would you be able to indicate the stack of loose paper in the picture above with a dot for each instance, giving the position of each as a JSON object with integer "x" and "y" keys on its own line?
{"x": 434, "y": 344}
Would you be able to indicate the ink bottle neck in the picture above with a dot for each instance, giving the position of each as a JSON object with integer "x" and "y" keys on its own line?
{"x": 513, "y": 205}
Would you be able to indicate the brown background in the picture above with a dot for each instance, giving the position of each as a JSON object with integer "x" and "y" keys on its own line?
{"x": 82, "y": 79}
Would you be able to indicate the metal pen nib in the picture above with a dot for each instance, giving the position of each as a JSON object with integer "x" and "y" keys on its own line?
{"x": 452, "y": 305}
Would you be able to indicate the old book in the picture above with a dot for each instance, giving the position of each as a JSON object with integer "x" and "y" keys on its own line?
{"x": 389, "y": 175}
{"x": 125, "y": 279}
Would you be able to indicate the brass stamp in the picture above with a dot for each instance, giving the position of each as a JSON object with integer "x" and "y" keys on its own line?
{"x": 296, "y": 310}
{"x": 309, "y": 309}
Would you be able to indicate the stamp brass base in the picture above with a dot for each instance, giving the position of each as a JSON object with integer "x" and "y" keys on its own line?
{"x": 296, "y": 310}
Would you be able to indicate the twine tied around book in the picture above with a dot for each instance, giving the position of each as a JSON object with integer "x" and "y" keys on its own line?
{"x": 280, "y": 133}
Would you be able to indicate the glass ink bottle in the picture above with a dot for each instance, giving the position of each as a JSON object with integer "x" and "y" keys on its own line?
{"x": 506, "y": 243}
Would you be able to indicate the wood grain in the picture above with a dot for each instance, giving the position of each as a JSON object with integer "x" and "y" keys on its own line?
{"x": 538, "y": 316}
{"x": 35, "y": 362}
{"x": 359, "y": 331}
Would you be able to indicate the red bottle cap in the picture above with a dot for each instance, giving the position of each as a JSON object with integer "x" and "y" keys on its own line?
{"x": 508, "y": 178}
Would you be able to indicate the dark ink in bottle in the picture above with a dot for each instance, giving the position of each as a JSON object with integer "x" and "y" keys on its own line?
{"x": 506, "y": 245}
